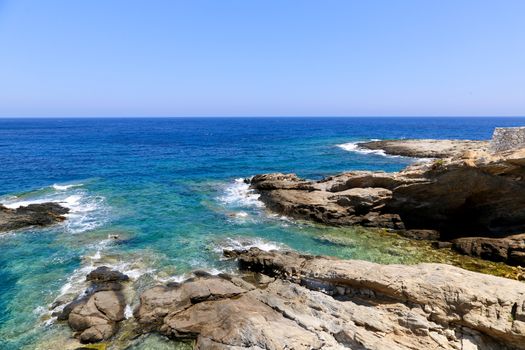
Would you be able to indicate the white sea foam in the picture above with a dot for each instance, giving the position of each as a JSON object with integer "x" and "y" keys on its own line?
{"x": 241, "y": 243}
{"x": 86, "y": 212}
{"x": 65, "y": 187}
{"x": 173, "y": 278}
{"x": 76, "y": 283}
{"x": 128, "y": 312}
{"x": 13, "y": 203}
{"x": 354, "y": 147}
{"x": 239, "y": 194}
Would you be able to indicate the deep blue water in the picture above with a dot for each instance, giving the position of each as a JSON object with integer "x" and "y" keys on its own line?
{"x": 167, "y": 188}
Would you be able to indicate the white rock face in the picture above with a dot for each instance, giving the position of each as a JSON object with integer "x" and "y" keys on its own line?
{"x": 506, "y": 139}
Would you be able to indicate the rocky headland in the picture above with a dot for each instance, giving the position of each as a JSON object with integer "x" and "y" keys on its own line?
{"x": 285, "y": 300}
{"x": 41, "y": 214}
{"x": 472, "y": 197}
{"x": 425, "y": 148}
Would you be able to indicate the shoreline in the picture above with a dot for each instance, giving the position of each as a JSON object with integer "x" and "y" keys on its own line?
{"x": 283, "y": 299}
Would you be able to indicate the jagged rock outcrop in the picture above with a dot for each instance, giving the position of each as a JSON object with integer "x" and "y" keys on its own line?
{"x": 474, "y": 194}
{"x": 96, "y": 315}
{"x": 307, "y": 302}
{"x": 42, "y": 214}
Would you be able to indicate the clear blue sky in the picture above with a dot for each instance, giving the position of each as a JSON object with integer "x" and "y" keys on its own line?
{"x": 262, "y": 57}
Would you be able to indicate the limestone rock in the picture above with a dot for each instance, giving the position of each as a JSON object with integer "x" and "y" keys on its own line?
{"x": 326, "y": 303}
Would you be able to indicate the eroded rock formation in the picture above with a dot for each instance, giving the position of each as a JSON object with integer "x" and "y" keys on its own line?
{"x": 472, "y": 194}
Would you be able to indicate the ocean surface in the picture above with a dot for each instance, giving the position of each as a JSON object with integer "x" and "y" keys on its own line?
{"x": 172, "y": 190}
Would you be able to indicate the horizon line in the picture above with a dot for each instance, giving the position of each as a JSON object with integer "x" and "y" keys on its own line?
{"x": 260, "y": 116}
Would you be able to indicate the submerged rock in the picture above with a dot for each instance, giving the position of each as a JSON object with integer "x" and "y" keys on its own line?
{"x": 43, "y": 214}
{"x": 326, "y": 303}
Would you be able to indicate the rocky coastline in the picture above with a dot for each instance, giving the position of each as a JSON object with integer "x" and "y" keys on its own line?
{"x": 40, "y": 214}
{"x": 286, "y": 300}
{"x": 472, "y": 198}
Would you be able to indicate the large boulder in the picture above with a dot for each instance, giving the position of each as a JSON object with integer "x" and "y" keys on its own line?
{"x": 95, "y": 315}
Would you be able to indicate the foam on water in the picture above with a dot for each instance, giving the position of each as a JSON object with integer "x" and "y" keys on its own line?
{"x": 76, "y": 283}
{"x": 86, "y": 212}
{"x": 65, "y": 187}
{"x": 239, "y": 194}
{"x": 242, "y": 243}
{"x": 354, "y": 147}
{"x": 128, "y": 312}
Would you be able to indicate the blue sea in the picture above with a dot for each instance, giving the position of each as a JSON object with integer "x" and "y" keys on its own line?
{"x": 172, "y": 190}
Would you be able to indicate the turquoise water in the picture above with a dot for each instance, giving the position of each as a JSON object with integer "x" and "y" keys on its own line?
{"x": 171, "y": 190}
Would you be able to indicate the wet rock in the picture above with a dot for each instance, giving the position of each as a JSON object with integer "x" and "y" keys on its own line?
{"x": 43, "y": 214}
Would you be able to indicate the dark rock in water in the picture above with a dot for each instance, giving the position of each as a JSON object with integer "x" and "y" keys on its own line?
{"x": 510, "y": 250}
{"x": 201, "y": 273}
{"x": 43, "y": 214}
{"x": 105, "y": 274}
{"x": 307, "y": 302}
{"x": 442, "y": 245}
{"x": 429, "y": 235}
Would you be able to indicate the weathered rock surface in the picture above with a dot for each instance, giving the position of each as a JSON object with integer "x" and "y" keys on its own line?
{"x": 95, "y": 316}
{"x": 326, "y": 303}
{"x": 43, "y": 214}
{"x": 426, "y": 148}
{"x": 474, "y": 194}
